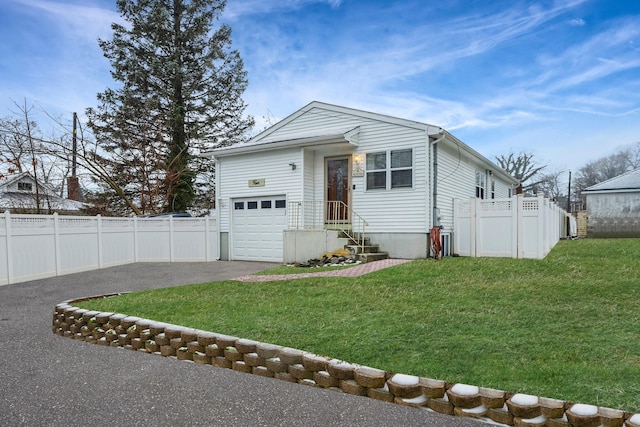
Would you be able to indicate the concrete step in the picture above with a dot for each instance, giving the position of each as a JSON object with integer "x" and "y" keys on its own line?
{"x": 357, "y": 249}
{"x": 372, "y": 256}
{"x": 355, "y": 241}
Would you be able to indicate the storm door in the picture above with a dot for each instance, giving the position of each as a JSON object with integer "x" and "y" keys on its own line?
{"x": 337, "y": 190}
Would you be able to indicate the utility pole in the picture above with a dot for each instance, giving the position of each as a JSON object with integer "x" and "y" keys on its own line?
{"x": 75, "y": 145}
{"x": 73, "y": 185}
{"x": 569, "y": 207}
{"x": 569, "y": 194}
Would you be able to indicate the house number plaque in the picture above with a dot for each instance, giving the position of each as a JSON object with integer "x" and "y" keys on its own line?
{"x": 256, "y": 182}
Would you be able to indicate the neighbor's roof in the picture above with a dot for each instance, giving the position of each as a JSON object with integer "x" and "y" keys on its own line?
{"x": 14, "y": 200}
{"x": 7, "y": 180}
{"x": 625, "y": 182}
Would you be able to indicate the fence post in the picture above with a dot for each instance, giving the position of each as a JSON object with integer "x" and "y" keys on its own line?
{"x": 56, "y": 242}
{"x": 218, "y": 214}
{"x": 474, "y": 207}
{"x": 171, "y": 242}
{"x": 541, "y": 229}
{"x": 135, "y": 239}
{"x": 456, "y": 225}
{"x": 8, "y": 230}
{"x": 99, "y": 223}
{"x": 520, "y": 203}
{"x": 515, "y": 225}
{"x": 206, "y": 238}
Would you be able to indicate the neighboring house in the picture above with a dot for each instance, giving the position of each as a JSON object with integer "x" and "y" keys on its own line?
{"x": 18, "y": 195}
{"x": 328, "y": 167}
{"x": 613, "y": 207}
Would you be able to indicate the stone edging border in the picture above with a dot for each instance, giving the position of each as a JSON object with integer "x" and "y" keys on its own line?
{"x": 288, "y": 364}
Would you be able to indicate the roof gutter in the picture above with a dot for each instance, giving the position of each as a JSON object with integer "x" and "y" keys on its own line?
{"x": 350, "y": 137}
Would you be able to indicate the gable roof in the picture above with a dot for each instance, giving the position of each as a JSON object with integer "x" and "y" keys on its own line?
{"x": 7, "y": 180}
{"x": 629, "y": 181}
{"x": 264, "y": 140}
{"x": 346, "y": 110}
{"x": 26, "y": 200}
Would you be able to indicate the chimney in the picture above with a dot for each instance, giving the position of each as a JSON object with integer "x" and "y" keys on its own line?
{"x": 73, "y": 188}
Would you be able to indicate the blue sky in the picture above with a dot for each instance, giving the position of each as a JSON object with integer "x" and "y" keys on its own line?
{"x": 556, "y": 78}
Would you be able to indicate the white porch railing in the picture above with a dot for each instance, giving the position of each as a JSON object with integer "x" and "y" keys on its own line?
{"x": 333, "y": 215}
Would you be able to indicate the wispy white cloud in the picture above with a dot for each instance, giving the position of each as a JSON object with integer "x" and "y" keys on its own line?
{"x": 87, "y": 20}
{"x": 365, "y": 70}
{"x": 517, "y": 74}
{"x": 62, "y": 67}
{"x": 239, "y": 8}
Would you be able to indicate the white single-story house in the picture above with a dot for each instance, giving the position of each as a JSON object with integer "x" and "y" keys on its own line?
{"x": 613, "y": 206}
{"x": 281, "y": 195}
{"x": 19, "y": 193}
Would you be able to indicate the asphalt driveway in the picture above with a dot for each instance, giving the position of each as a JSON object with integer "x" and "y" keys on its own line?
{"x": 48, "y": 380}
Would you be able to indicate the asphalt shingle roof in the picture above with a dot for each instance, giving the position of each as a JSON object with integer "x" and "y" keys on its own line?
{"x": 626, "y": 181}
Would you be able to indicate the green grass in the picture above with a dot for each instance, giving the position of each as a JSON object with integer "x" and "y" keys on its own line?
{"x": 566, "y": 327}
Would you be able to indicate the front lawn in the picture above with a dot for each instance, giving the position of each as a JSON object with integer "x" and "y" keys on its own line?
{"x": 566, "y": 327}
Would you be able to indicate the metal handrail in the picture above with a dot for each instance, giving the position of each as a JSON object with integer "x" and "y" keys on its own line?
{"x": 335, "y": 215}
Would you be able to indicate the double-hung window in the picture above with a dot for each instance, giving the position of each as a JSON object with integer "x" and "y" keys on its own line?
{"x": 480, "y": 185}
{"x": 25, "y": 186}
{"x": 390, "y": 169}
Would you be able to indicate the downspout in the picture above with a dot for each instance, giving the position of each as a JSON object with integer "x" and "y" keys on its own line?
{"x": 435, "y": 220}
{"x": 218, "y": 206}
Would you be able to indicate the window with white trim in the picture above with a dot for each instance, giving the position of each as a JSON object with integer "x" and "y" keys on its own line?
{"x": 493, "y": 188}
{"x": 25, "y": 186}
{"x": 390, "y": 169}
{"x": 480, "y": 185}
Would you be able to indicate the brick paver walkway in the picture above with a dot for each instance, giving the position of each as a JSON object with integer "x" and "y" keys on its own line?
{"x": 358, "y": 270}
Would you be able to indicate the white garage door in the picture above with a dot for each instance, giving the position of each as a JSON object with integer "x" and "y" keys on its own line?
{"x": 258, "y": 225}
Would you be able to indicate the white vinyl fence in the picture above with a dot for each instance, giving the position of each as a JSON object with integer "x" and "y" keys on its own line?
{"x": 38, "y": 246}
{"x": 517, "y": 227}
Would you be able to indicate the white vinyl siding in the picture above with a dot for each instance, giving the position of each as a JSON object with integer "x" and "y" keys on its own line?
{"x": 400, "y": 210}
{"x": 502, "y": 189}
{"x": 457, "y": 179}
{"x": 272, "y": 166}
{"x": 309, "y": 176}
{"x": 317, "y": 120}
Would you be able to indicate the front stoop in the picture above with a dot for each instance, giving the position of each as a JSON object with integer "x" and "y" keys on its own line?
{"x": 365, "y": 251}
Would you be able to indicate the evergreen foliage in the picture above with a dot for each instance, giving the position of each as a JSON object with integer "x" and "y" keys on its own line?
{"x": 179, "y": 93}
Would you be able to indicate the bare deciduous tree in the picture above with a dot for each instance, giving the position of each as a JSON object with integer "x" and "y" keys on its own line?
{"x": 522, "y": 167}
{"x": 23, "y": 149}
{"x": 608, "y": 167}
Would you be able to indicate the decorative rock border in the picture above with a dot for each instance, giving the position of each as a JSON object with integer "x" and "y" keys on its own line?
{"x": 288, "y": 364}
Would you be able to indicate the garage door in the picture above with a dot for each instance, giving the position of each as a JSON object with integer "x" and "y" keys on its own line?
{"x": 258, "y": 225}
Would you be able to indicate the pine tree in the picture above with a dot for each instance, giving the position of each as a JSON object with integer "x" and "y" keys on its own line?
{"x": 180, "y": 93}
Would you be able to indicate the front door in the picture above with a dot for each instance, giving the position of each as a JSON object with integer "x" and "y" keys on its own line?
{"x": 337, "y": 190}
